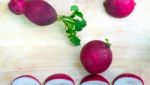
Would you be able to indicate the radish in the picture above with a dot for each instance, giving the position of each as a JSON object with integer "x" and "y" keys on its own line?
{"x": 16, "y": 6}
{"x": 119, "y": 8}
{"x": 128, "y": 79}
{"x": 42, "y": 13}
{"x": 26, "y": 80}
{"x": 94, "y": 80}
{"x": 96, "y": 56}
{"x": 59, "y": 79}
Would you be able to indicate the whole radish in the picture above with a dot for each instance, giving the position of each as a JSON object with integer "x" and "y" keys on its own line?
{"x": 42, "y": 13}
{"x": 119, "y": 8}
{"x": 96, "y": 56}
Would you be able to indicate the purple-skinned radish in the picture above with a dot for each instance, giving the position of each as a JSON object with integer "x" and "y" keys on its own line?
{"x": 96, "y": 56}
{"x": 119, "y": 8}
{"x": 59, "y": 79}
{"x": 42, "y": 13}
{"x": 94, "y": 80}
{"x": 16, "y": 6}
{"x": 26, "y": 80}
{"x": 128, "y": 79}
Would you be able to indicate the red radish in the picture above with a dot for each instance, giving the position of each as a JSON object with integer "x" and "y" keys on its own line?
{"x": 128, "y": 79}
{"x": 119, "y": 8}
{"x": 26, "y": 80}
{"x": 59, "y": 79}
{"x": 94, "y": 80}
{"x": 16, "y": 6}
{"x": 40, "y": 12}
{"x": 96, "y": 56}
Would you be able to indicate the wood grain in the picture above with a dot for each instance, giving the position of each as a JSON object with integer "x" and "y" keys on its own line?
{"x": 41, "y": 51}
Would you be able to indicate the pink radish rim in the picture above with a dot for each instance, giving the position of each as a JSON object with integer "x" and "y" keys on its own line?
{"x": 96, "y": 77}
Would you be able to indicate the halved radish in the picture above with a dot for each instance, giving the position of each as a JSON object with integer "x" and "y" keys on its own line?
{"x": 128, "y": 79}
{"x": 26, "y": 80}
{"x": 94, "y": 80}
{"x": 59, "y": 79}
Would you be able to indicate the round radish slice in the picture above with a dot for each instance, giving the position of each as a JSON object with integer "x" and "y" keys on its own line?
{"x": 59, "y": 79}
{"x": 26, "y": 80}
{"x": 128, "y": 79}
{"x": 94, "y": 80}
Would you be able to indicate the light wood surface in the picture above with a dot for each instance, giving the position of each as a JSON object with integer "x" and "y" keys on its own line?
{"x": 41, "y": 51}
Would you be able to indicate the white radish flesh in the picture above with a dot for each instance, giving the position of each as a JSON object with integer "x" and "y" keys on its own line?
{"x": 59, "y": 82}
{"x": 94, "y": 83}
{"x": 25, "y": 81}
{"x": 128, "y": 81}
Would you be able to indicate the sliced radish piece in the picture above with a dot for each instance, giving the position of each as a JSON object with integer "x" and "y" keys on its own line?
{"x": 94, "y": 80}
{"x": 26, "y": 80}
{"x": 128, "y": 79}
{"x": 59, "y": 79}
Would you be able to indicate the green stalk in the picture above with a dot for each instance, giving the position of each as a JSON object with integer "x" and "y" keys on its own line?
{"x": 73, "y": 24}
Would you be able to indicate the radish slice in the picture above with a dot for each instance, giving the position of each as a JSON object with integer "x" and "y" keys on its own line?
{"x": 128, "y": 79}
{"x": 94, "y": 80}
{"x": 26, "y": 80}
{"x": 59, "y": 79}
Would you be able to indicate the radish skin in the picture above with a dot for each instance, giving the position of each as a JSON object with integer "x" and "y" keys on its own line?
{"x": 16, "y": 6}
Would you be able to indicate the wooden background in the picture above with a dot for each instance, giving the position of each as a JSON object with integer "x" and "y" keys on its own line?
{"x": 41, "y": 51}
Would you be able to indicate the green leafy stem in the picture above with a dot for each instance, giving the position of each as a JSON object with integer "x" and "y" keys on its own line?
{"x": 73, "y": 24}
{"x": 108, "y": 44}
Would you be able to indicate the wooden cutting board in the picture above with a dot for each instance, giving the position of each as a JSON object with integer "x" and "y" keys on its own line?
{"x": 42, "y": 51}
